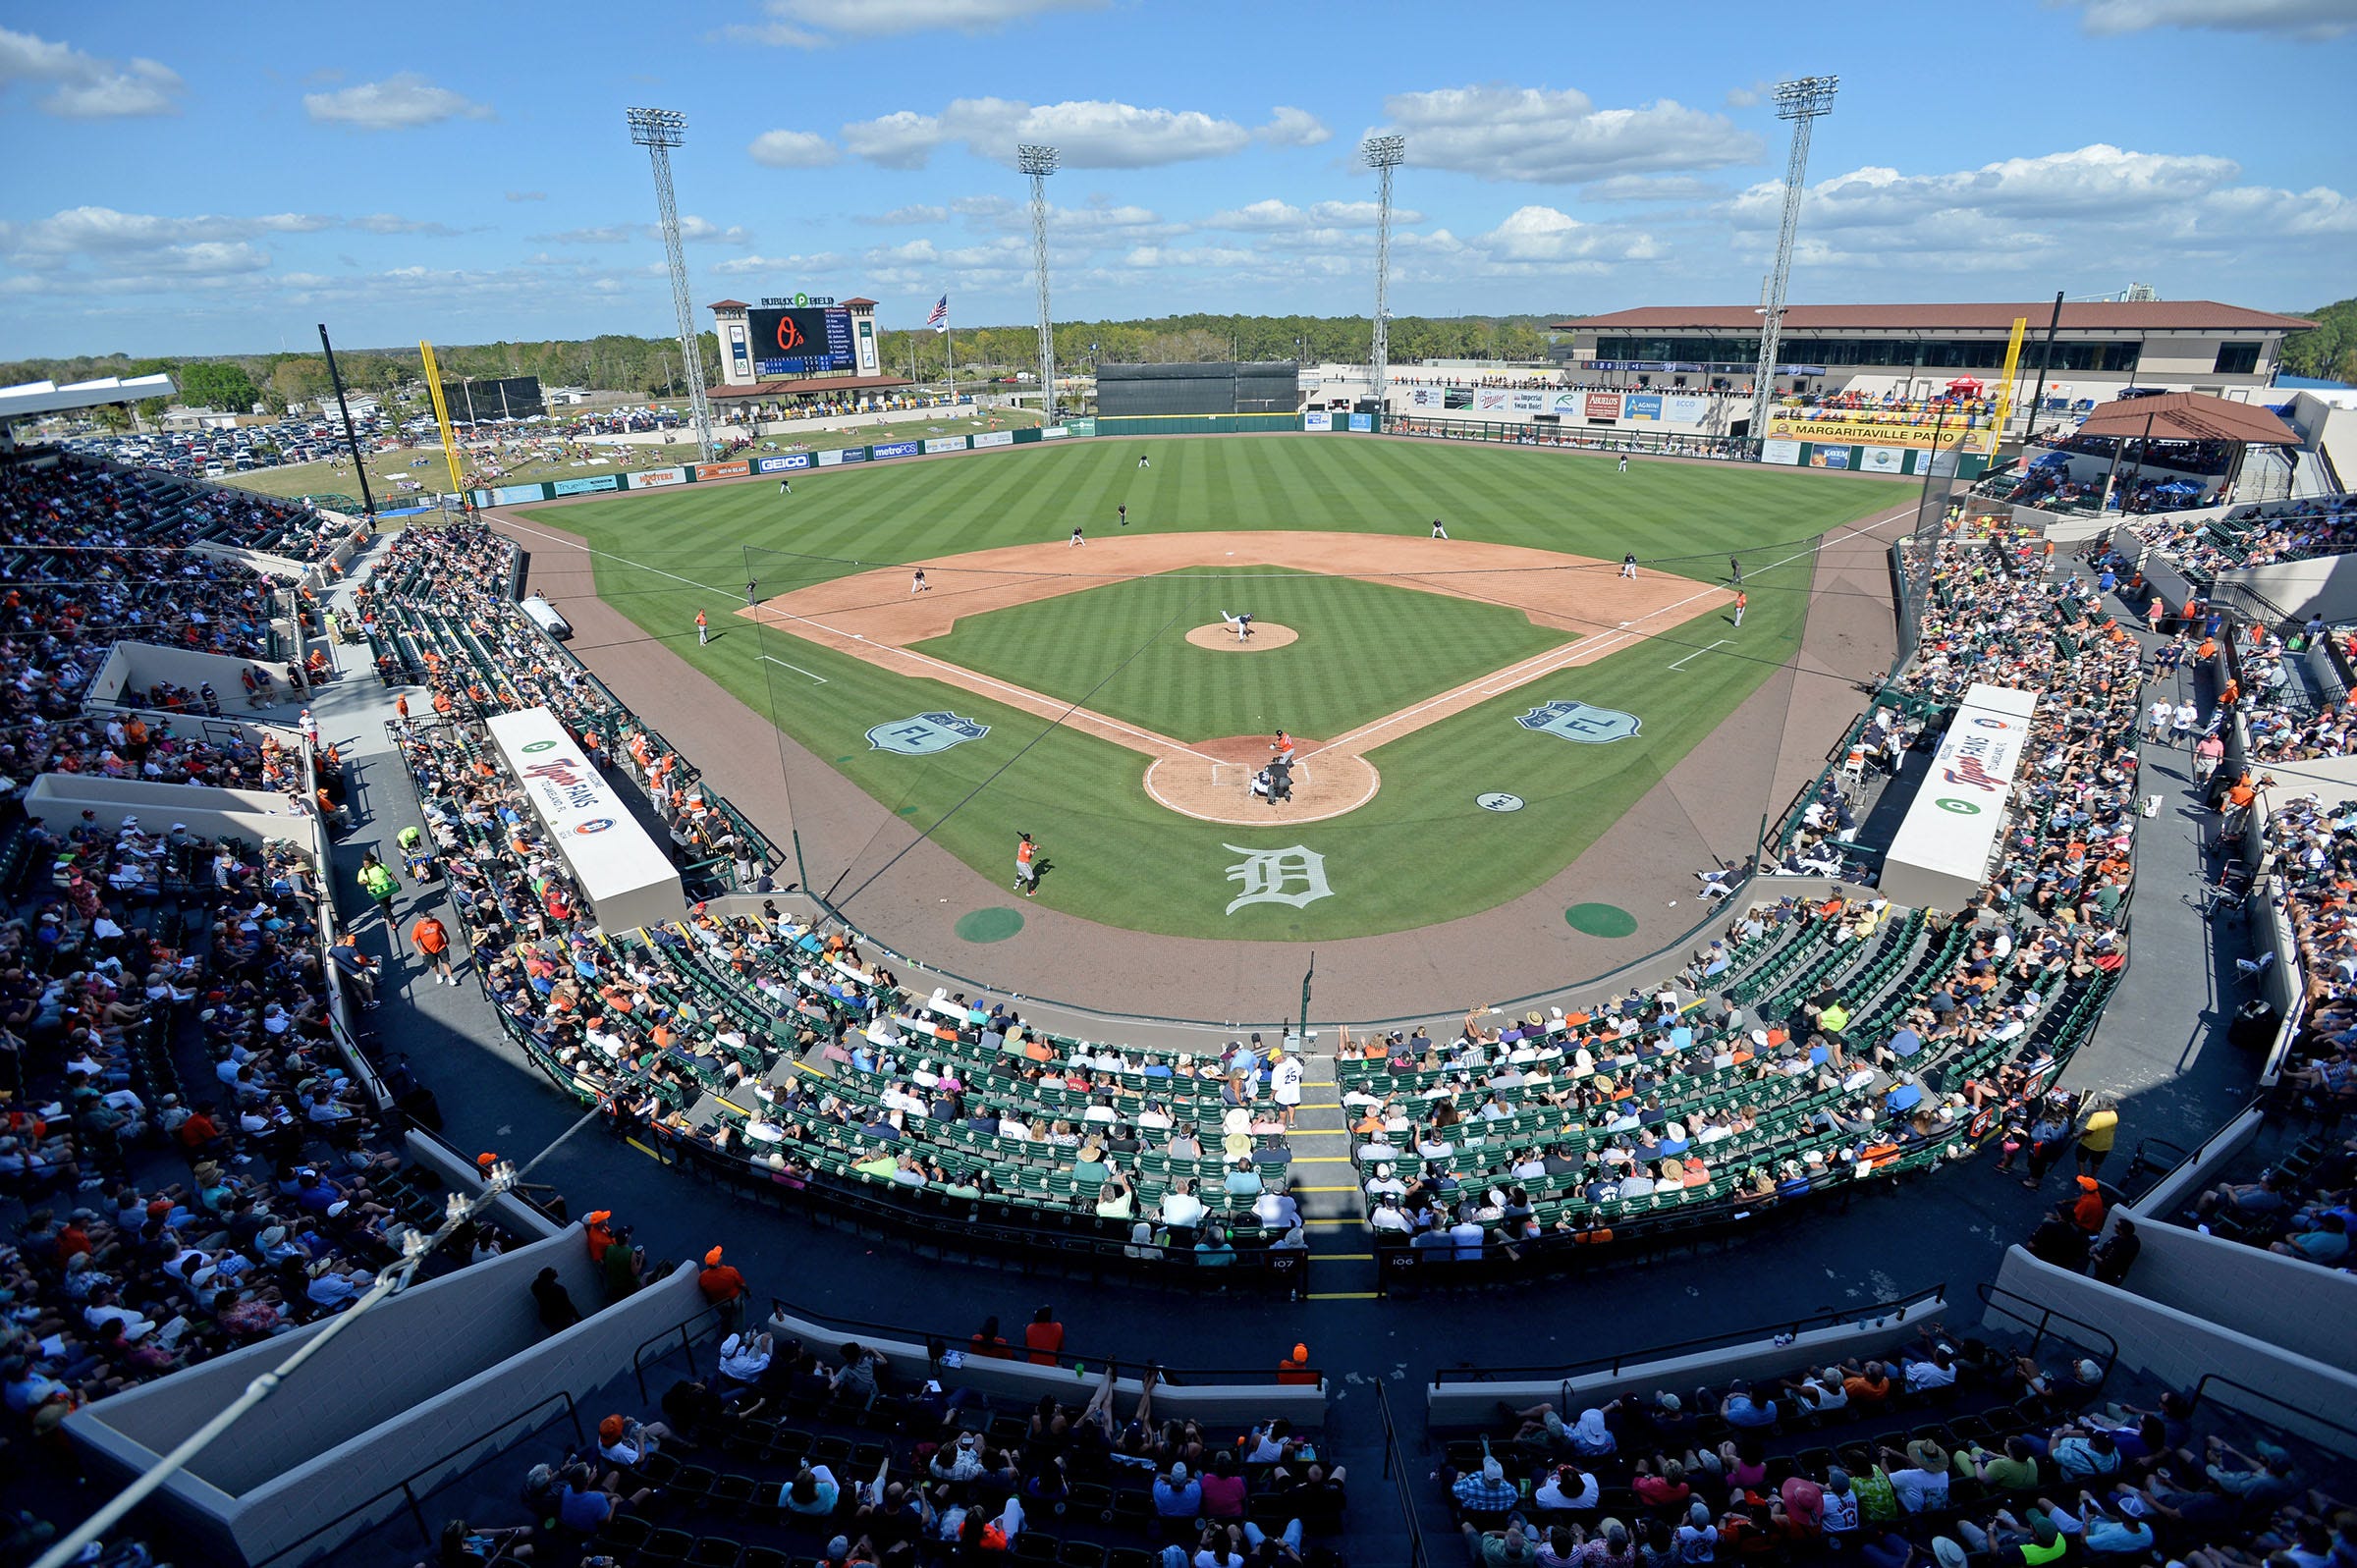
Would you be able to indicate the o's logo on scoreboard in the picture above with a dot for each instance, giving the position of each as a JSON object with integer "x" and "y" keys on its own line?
{"x": 789, "y": 336}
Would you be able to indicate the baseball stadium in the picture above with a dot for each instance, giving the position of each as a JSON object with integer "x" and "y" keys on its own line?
{"x": 1667, "y": 955}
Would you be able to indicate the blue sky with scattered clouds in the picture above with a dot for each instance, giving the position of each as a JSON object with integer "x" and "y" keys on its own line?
{"x": 462, "y": 173}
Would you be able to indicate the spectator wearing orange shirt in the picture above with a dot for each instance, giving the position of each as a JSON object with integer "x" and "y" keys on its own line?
{"x": 1043, "y": 1336}
{"x": 432, "y": 940}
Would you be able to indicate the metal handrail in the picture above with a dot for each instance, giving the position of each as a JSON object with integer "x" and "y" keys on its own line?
{"x": 938, "y": 1344}
{"x": 403, "y": 1485}
{"x": 2303, "y": 1411}
{"x": 709, "y": 1318}
{"x": 1896, "y": 1310}
{"x": 1395, "y": 1470}
{"x": 2047, "y": 1315}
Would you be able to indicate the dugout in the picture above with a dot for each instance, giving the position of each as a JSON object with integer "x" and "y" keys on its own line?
{"x": 1268, "y": 386}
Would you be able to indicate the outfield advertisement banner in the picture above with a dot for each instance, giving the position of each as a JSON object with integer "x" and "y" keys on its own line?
{"x": 1317, "y": 419}
{"x": 1528, "y": 403}
{"x": 792, "y": 460}
{"x": 1796, "y": 426}
{"x": 656, "y": 478}
{"x": 1603, "y": 405}
{"x": 995, "y": 438}
{"x": 723, "y": 470}
{"x": 1427, "y": 398}
{"x": 1786, "y": 453}
{"x": 1081, "y": 427}
{"x": 1362, "y": 421}
{"x": 1829, "y": 456}
{"x": 515, "y": 495}
{"x": 582, "y": 487}
{"x": 1644, "y": 405}
{"x": 1489, "y": 400}
{"x": 945, "y": 444}
{"x": 1054, "y": 432}
{"x": 1684, "y": 408}
{"x": 1882, "y": 460}
{"x": 896, "y": 449}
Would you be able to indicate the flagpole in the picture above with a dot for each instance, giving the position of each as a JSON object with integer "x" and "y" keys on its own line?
{"x": 950, "y": 333}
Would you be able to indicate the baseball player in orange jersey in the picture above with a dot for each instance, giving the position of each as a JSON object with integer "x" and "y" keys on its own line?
{"x": 1026, "y": 874}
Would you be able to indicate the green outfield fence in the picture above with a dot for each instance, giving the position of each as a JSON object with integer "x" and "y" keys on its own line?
{"x": 1194, "y": 424}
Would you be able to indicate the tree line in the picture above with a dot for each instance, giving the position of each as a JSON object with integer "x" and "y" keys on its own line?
{"x": 650, "y": 367}
{"x": 2329, "y": 350}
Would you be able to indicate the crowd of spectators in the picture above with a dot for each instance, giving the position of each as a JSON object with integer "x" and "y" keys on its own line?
{"x": 1997, "y": 1459}
{"x": 477, "y": 654}
{"x": 2257, "y": 535}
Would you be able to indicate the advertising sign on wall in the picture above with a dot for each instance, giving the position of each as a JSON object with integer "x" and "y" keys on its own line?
{"x": 1317, "y": 419}
{"x": 995, "y": 438}
{"x": 1684, "y": 408}
{"x": 736, "y": 469}
{"x": 627, "y": 879}
{"x": 1643, "y": 405}
{"x": 1882, "y": 460}
{"x": 1427, "y": 398}
{"x": 656, "y": 478}
{"x": 1603, "y": 405}
{"x": 896, "y": 449}
{"x": 513, "y": 495}
{"x": 1786, "y": 453}
{"x": 1528, "y": 403}
{"x": 830, "y": 459}
{"x": 945, "y": 444}
{"x": 855, "y": 454}
{"x": 1362, "y": 421}
{"x": 1081, "y": 427}
{"x": 1942, "y": 846}
{"x": 1829, "y": 456}
{"x": 582, "y": 487}
{"x": 1562, "y": 402}
{"x": 792, "y": 460}
{"x": 1489, "y": 400}
{"x": 1054, "y": 433}
{"x": 1794, "y": 424}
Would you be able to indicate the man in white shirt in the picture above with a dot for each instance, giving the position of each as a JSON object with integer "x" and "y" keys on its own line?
{"x": 1181, "y": 1208}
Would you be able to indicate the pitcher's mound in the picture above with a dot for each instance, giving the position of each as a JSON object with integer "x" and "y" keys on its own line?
{"x": 1325, "y": 784}
{"x": 1221, "y": 637}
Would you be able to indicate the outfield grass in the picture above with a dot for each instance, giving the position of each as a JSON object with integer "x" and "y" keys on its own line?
{"x": 1422, "y": 851}
{"x": 1365, "y": 649}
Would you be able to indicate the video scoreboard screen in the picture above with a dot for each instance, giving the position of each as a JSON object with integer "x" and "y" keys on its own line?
{"x": 805, "y": 341}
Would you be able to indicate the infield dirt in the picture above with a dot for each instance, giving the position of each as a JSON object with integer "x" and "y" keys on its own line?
{"x": 873, "y": 615}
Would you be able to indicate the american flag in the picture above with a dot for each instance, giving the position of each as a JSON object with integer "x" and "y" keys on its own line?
{"x": 939, "y": 320}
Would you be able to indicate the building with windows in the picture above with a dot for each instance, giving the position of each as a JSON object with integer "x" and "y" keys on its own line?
{"x": 1914, "y": 351}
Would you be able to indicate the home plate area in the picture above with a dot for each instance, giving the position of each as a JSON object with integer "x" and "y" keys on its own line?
{"x": 1214, "y": 781}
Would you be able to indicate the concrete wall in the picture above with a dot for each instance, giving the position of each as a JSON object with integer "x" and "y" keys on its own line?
{"x": 61, "y": 799}
{"x": 2177, "y": 1348}
{"x": 136, "y": 666}
{"x": 2279, "y": 1300}
{"x": 2326, "y": 586}
{"x": 1249, "y": 1403}
{"x": 1463, "y": 1405}
{"x": 437, "y": 1369}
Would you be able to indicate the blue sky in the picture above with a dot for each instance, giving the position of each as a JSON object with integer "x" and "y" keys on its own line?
{"x": 462, "y": 173}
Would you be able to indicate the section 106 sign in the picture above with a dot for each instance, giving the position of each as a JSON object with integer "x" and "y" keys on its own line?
{"x": 802, "y": 341}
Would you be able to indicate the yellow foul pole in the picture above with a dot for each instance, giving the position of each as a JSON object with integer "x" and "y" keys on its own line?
{"x": 450, "y": 444}
{"x": 2004, "y": 395}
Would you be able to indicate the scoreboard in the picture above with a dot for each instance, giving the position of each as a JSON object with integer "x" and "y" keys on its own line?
{"x": 802, "y": 342}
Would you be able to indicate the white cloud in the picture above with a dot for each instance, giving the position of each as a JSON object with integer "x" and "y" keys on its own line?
{"x": 84, "y": 87}
{"x": 903, "y": 216}
{"x": 2143, "y": 209}
{"x": 1653, "y": 188}
{"x": 693, "y": 229}
{"x": 1293, "y": 127}
{"x": 778, "y": 266}
{"x": 1559, "y": 138}
{"x": 2310, "y": 20}
{"x": 528, "y": 195}
{"x": 1089, "y": 134}
{"x": 816, "y": 23}
{"x": 401, "y": 102}
{"x": 98, "y": 231}
{"x": 393, "y": 223}
{"x": 606, "y": 233}
{"x": 1271, "y": 215}
{"x": 1543, "y": 233}
{"x": 792, "y": 149}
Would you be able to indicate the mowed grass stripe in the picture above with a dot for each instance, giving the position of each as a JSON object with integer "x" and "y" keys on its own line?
{"x": 1366, "y": 650}
{"x": 1120, "y": 858}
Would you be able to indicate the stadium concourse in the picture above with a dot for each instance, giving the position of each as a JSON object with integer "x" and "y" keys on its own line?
{"x": 770, "y": 1088}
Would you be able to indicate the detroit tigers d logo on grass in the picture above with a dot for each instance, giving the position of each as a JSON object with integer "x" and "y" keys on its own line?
{"x": 1293, "y": 875}
{"x": 925, "y": 733}
{"x": 1581, "y": 720}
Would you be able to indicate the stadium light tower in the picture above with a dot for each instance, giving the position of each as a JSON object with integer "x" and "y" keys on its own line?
{"x": 1800, "y": 100}
{"x": 659, "y": 131}
{"x": 1383, "y": 155}
{"x": 1039, "y": 161}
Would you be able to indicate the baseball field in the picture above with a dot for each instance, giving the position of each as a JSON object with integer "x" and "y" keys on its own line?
{"x": 1466, "y": 714}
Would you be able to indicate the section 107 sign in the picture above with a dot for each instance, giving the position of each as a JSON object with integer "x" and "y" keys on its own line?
{"x": 802, "y": 341}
